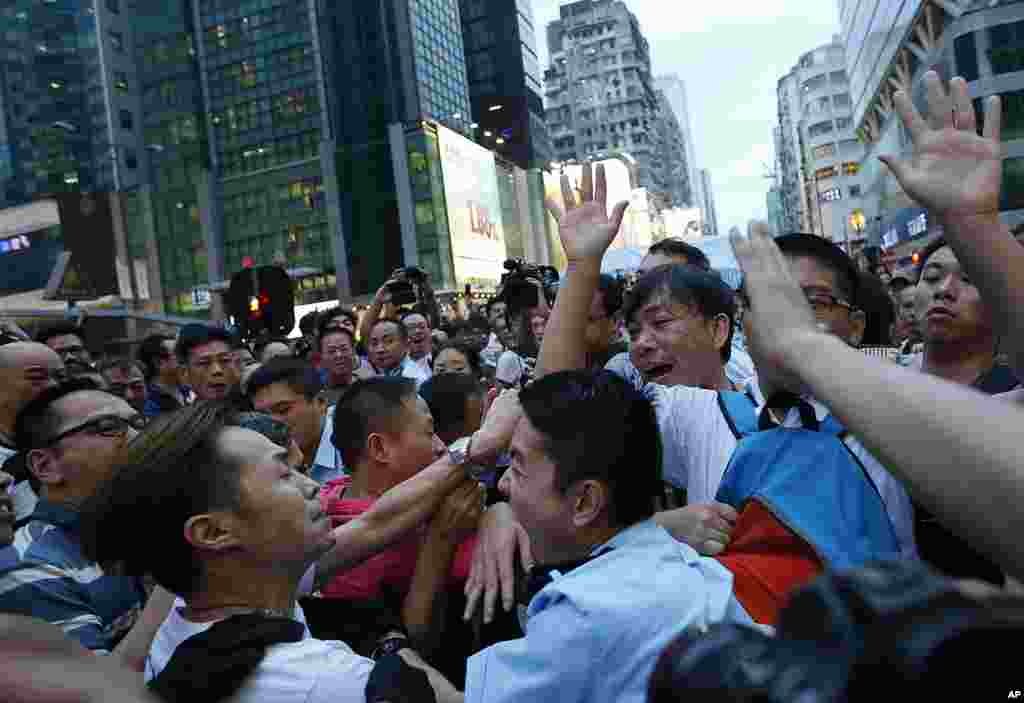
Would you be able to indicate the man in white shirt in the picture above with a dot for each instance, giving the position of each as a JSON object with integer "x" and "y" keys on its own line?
{"x": 388, "y": 345}
{"x": 417, "y": 326}
{"x": 235, "y": 531}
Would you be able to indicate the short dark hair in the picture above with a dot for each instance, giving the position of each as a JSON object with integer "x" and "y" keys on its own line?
{"x": 121, "y": 363}
{"x": 673, "y": 246}
{"x": 705, "y": 291}
{"x": 37, "y": 422}
{"x": 326, "y": 317}
{"x": 611, "y": 294}
{"x": 59, "y": 329}
{"x": 397, "y": 323}
{"x": 335, "y": 330}
{"x": 415, "y": 311}
{"x": 192, "y": 336}
{"x": 297, "y": 374}
{"x": 826, "y": 253}
{"x": 469, "y": 351}
{"x": 879, "y": 311}
{"x": 367, "y": 406}
{"x": 261, "y": 346}
{"x": 494, "y": 300}
{"x": 597, "y": 426}
{"x": 151, "y": 351}
{"x": 446, "y": 395}
{"x": 927, "y": 253}
{"x": 169, "y": 473}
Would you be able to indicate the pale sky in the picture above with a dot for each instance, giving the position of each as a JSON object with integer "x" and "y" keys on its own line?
{"x": 730, "y": 55}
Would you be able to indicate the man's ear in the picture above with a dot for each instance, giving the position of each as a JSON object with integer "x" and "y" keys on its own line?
{"x": 590, "y": 499}
{"x": 43, "y": 464}
{"x": 213, "y": 532}
{"x": 377, "y": 448}
{"x": 720, "y": 327}
{"x": 858, "y": 325}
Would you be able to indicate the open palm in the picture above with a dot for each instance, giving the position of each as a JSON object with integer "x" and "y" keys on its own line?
{"x": 586, "y": 230}
{"x": 953, "y": 170}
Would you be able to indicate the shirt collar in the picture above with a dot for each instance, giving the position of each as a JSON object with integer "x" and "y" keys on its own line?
{"x": 792, "y": 419}
{"x": 59, "y": 514}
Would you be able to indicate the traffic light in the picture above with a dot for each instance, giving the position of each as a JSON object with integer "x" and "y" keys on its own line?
{"x": 915, "y": 258}
{"x": 262, "y": 303}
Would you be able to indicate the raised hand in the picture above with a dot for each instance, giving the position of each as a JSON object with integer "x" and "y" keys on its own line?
{"x": 953, "y": 172}
{"x": 585, "y": 229}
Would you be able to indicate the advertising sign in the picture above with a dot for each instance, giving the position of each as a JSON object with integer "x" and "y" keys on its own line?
{"x": 87, "y": 231}
{"x": 619, "y": 178}
{"x": 474, "y": 210}
{"x": 29, "y": 246}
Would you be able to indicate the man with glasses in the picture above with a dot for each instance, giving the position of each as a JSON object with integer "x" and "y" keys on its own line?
{"x": 417, "y": 326}
{"x": 163, "y": 374}
{"x": 72, "y": 434}
{"x": 211, "y": 364}
{"x": 338, "y": 359}
{"x": 125, "y": 379}
{"x": 68, "y": 340}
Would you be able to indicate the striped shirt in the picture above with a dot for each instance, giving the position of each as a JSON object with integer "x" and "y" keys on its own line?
{"x": 44, "y": 575}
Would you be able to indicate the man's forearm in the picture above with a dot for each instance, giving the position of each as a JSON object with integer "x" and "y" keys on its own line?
{"x": 397, "y": 512}
{"x": 957, "y": 451}
{"x": 564, "y": 346}
{"x": 134, "y": 648}
{"x": 995, "y": 263}
{"x": 423, "y": 609}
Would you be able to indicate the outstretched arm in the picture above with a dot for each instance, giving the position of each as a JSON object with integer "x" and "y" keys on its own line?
{"x": 956, "y": 174}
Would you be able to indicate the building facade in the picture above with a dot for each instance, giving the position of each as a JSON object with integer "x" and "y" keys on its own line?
{"x": 708, "y": 204}
{"x": 892, "y": 50}
{"x": 600, "y": 98}
{"x": 818, "y": 153}
{"x": 504, "y": 77}
{"x": 674, "y": 90}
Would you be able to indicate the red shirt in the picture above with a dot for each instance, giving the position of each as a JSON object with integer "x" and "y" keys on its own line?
{"x": 392, "y": 568}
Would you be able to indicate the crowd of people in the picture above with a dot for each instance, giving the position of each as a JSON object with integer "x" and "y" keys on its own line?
{"x": 608, "y": 492}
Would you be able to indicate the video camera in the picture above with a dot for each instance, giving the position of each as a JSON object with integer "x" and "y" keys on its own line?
{"x": 406, "y": 287}
{"x": 519, "y": 290}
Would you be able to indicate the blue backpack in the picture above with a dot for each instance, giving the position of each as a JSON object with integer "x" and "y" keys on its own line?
{"x": 811, "y": 482}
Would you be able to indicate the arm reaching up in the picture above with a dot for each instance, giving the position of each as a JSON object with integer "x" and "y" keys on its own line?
{"x": 957, "y": 175}
{"x": 586, "y": 232}
{"x": 958, "y": 452}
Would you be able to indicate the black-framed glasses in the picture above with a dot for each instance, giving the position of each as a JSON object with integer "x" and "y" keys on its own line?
{"x": 825, "y": 302}
{"x": 104, "y": 426}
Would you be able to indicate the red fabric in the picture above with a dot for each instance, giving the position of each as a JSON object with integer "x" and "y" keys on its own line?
{"x": 767, "y": 561}
{"x": 392, "y": 568}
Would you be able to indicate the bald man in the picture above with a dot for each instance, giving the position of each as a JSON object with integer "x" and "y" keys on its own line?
{"x": 26, "y": 370}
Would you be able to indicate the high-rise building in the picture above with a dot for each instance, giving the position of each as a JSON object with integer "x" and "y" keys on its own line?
{"x": 675, "y": 93}
{"x": 505, "y": 80}
{"x": 708, "y": 204}
{"x": 70, "y": 118}
{"x": 890, "y": 47}
{"x": 818, "y": 153}
{"x": 600, "y": 97}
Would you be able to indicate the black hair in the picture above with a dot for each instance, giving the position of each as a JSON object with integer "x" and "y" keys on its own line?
{"x": 879, "y": 311}
{"x": 927, "y": 253}
{"x": 611, "y": 290}
{"x": 297, "y": 374}
{"x": 326, "y": 317}
{"x": 705, "y": 291}
{"x": 368, "y": 406}
{"x": 37, "y": 422}
{"x": 826, "y": 253}
{"x": 469, "y": 351}
{"x": 676, "y": 247}
{"x": 597, "y": 426}
{"x": 446, "y": 395}
{"x": 60, "y": 329}
{"x": 417, "y": 310}
{"x": 192, "y": 336}
{"x": 172, "y": 471}
{"x": 335, "y": 330}
{"x": 402, "y": 332}
{"x": 151, "y": 351}
{"x": 494, "y": 301}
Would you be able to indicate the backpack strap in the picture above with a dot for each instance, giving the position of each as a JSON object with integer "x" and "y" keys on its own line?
{"x": 739, "y": 411}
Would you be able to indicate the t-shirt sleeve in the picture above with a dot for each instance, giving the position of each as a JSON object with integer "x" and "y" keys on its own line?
{"x": 685, "y": 418}
{"x": 342, "y": 675}
{"x": 510, "y": 368}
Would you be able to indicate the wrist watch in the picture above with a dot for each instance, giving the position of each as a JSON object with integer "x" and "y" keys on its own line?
{"x": 460, "y": 450}
{"x": 390, "y": 645}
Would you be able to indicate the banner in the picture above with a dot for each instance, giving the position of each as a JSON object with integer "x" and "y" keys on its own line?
{"x": 474, "y": 210}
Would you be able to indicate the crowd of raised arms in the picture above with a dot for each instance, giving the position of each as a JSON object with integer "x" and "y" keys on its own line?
{"x": 594, "y": 491}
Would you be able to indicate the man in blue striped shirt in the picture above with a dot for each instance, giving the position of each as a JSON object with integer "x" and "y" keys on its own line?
{"x": 74, "y": 433}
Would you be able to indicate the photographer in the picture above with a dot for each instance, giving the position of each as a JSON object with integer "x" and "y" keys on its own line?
{"x": 407, "y": 287}
{"x": 528, "y": 292}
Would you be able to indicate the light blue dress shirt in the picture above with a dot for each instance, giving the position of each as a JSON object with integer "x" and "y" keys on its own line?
{"x": 595, "y": 633}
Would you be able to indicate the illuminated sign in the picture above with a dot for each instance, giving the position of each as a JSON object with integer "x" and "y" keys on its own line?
{"x": 19, "y": 243}
{"x": 918, "y": 225}
{"x": 831, "y": 195}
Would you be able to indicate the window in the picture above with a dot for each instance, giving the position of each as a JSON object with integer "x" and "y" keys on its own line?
{"x": 965, "y": 52}
{"x": 837, "y": 77}
{"x": 131, "y": 159}
{"x": 825, "y": 151}
{"x": 121, "y": 82}
{"x": 117, "y": 41}
{"x": 1007, "y": 52}
{"x": 827, "y": 172}
{"x": 126, "y": 119}
{"x": 812, "y": 84}
{"x": 114, "y": 6}
{"x": 854, "y": 191}
{"x": 819, "y": 129}
{"x": 844, "y": 123}
{"x": 841, "y": 100}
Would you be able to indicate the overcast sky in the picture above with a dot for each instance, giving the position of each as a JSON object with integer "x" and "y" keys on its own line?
{"x": 731, "y": 56}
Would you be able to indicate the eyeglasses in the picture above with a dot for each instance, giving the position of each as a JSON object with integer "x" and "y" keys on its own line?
{"x": 105, "y": 426}
{"x": 224, "y": 360}
{"x": 76, "y": 350}
{"x": 825, "y": 302}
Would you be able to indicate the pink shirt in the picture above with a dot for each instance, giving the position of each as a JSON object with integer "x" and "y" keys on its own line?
{"x": 392, "y": 568}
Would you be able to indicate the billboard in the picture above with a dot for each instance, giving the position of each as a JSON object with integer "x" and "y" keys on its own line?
{"x": 87, "y": 231}
{"x": 620, "y": 179}
{"x": 29, "y": 246}
{"x": 474, "y": 210}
